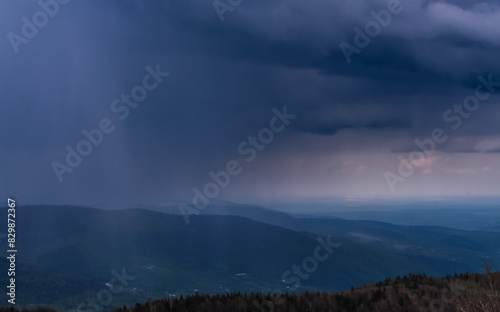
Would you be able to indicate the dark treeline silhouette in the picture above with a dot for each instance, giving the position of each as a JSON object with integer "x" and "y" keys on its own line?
{"x": 39, "y": 309}
{"x": 413, "y": 293}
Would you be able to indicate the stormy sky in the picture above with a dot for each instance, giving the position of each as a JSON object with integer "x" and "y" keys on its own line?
{"x": 429, "y": 73}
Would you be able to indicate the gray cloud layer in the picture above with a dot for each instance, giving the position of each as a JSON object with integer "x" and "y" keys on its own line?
{"x": 353, "y": 120}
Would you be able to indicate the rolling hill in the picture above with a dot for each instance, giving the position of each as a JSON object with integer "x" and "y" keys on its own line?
{"x": 216, "y": 254}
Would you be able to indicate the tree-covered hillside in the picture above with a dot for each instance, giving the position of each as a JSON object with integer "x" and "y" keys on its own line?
{"x": 413, "y": 293}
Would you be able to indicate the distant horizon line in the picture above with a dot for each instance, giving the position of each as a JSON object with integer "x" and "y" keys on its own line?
{"x": 357, "y": 199}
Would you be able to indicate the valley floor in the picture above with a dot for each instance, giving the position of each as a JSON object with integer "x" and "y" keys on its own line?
{"x": 414, "y": 293}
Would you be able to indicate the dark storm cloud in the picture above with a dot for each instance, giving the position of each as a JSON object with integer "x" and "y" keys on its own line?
{"x": 332, "y": 128}
{"x": 417, "y": 53}
{"x": 226, "y": 77}
{"x": 307, "y": 34}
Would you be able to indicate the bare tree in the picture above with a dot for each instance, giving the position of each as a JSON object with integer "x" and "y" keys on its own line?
{"x": 484, "y": 295}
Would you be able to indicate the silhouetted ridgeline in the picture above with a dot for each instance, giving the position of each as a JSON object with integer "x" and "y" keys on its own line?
{"x": 39, "y": 309}
{"x": 414, "y": 293}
